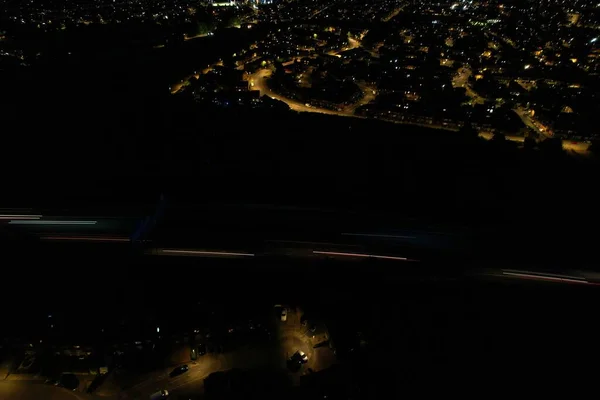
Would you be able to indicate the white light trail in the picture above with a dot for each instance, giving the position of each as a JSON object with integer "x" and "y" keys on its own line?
{"x": 87, "y": 238}
{"x": 378, "y": 235}
{"x": 335, "y": 253}
{"x": 19, "y": 216}
{"x": 49, "y": 222}
{"x": 547, "y": 278}
{"x": 208, "y": 253}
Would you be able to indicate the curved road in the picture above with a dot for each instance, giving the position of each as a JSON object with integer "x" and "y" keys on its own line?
{"x": 258, "y": 80}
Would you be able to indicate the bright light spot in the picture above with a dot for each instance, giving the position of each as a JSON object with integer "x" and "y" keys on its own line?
{"x": 527, "y": 66}
{"x": 157, "y": 329}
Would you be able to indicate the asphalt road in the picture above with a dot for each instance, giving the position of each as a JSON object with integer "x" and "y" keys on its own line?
{"x": 24, "y": 390}
{"x": 461, "y": 79}
{"x": 258, "y": 82}
{"x": 259, "y": 78}
{"x": 530, "y": 122}
{"x": 159, "y": 380}
{"x": 290, "y": 336}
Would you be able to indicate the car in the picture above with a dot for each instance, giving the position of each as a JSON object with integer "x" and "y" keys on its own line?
{"x": 303, "y": 357}
{"x": 179, "y": 370}
{"x": 299, "y": 357}
{"x": 295, "y": 362}
{"x": 284, "y": 314}
{"x": 161, "y": 394}
{"x": 201, "y": 349}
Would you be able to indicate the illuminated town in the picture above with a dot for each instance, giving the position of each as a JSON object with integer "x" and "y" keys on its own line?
{"x": 494, "y": 65}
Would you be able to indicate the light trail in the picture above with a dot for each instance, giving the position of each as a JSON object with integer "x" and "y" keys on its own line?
{"x": 571, "y": 279}
{"x": 360, "y": 255}
{"x": 304, "y": 242}
{"x": 19, "y": 216}
{"x": 49, "y": 222}
{"x": 378, "y": 235}
{"x": 208, "y": 253}
{"x": 87, "y": 238}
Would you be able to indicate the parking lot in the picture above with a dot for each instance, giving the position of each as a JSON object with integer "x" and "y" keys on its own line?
{"x": 249, "y": 346}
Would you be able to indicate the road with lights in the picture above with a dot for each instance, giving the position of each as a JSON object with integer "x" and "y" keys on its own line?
{"x": 258, "y": 81}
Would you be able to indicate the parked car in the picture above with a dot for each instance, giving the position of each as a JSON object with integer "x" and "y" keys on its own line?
{"x": 179, "y": 370}
{"x": 296, "y": 360}
{"x": 299, "y": 357}
{"x": 284, "y": 314}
